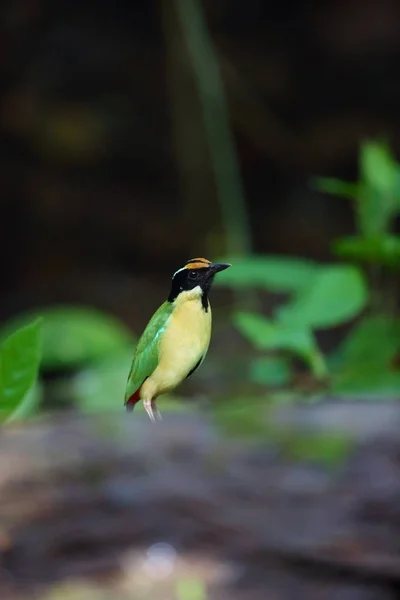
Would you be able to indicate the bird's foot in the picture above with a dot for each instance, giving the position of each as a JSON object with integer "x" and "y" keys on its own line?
{"x": 151, "y": 409}
{"x": 156, "y": 412}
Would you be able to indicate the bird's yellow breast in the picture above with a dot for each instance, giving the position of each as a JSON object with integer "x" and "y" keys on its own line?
{"x": 184, "y": 343}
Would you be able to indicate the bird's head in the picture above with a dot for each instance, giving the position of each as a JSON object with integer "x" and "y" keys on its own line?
{"x": 197, "y": 275}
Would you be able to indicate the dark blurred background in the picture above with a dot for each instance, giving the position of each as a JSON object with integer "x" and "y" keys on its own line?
{"x": 106, "y": 183}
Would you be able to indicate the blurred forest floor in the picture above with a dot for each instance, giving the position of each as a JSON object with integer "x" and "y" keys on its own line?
{"x": 97, "y": 508}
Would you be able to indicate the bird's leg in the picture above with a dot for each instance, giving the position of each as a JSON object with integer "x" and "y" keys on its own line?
{"x": 155, "y": 410}
{"x": 151, "y": 409}
{"x": 148, "y": 405}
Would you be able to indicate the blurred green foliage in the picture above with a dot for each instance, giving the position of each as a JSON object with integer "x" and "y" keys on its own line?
{"x": 329, "y": 448}
{"x": 191, "y": 589}
{"x": 96, "y": 349}
{"x": 271, "y": 273}
{"x": 327, "y": 296}
{"x": 245, "y": 418}
{"x": 376, "y": 200}
{"x": 268, "y": 334}
{"x": 90, "y": 352}
{"x": 75, "y": 335}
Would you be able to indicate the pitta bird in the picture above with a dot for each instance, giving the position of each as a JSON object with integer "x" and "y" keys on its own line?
{"x": 176, "y": 339}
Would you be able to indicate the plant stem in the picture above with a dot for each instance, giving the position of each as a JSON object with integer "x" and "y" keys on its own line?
{"x": 225, "y": 165}
{"x": 318, "y": 365}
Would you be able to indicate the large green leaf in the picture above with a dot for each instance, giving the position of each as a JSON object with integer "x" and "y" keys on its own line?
{"x": 19, "y": 365}
{"x": 372, "y": 344}
{"x": 367, "y": 383}
{"x": 29, "y": 405}
{"x": 275, "y": 273}
{"x": 73, "y": 335}
{"x": 265, "y": 334}
{"x": 335, "y": 295}
{"x": 363, "y": 363}
{"x": 258, "y": 330}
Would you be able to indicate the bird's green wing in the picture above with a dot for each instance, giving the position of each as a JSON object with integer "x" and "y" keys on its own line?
{"x": 145, "y": 358}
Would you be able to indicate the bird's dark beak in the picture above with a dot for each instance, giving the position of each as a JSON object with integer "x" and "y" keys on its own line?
{"x": 217, "y": 267}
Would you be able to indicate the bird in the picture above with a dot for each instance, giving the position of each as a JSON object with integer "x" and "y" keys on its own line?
{"x": 176, "y": 339}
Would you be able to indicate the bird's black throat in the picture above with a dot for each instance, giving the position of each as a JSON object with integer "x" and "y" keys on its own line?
{"x": 183, "y": 281}
{"x": 204, "y": 301}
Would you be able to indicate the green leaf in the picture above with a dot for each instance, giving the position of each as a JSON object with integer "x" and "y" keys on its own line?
{"x": 367, "y": 383}
{"x": 378, "y": 167}
{"x": 376, "y": 193}
{"x": 378, "y": 202}
{"x": 363, "y": 364}
{"x": 336, "y": 187}
{"x": 260, "y": 331}
{"x": 29, "y": 404}
{"x": 301, "y": 341}
{"x": 74, "y": 335}
{"x": 19, "y": 365}
{"x": 372, "y": 344}
{"x": 265, "y": 334}
{"x": 375, "y": 212}
{"x": 383, "y": 249}
{"x": 272, "y": 371}
{"x": 275, "y": 273}
{"x": 335, "y": 295}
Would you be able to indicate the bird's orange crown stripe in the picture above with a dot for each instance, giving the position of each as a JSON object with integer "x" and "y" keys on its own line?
{"x": 197, "y": 263}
